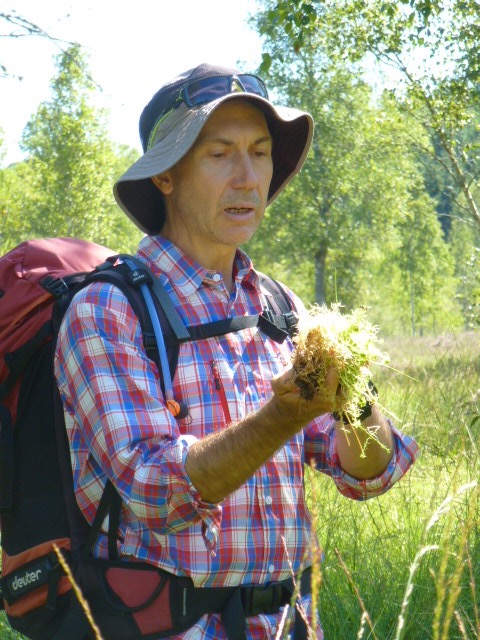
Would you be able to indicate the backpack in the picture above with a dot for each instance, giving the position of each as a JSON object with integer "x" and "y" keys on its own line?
{"x": 38, "y": 509}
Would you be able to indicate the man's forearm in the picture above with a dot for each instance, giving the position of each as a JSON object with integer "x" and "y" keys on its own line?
{"x": 220, "y": 463}
{"x": 365, "y": 453}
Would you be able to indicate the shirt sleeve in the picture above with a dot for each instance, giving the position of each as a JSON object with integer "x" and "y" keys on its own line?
{"x": 321, "y": 449}
{"x": 121, "y": 427}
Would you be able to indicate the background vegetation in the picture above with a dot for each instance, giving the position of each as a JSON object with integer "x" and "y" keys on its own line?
{"x": 410, "y": 558}
{"x": 64, "y": 187}
{"x": 385, "y": 214}
{"x": 382, "y": 212}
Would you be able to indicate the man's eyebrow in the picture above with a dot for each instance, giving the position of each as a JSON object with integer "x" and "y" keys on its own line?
{"x": 228, "y": 142}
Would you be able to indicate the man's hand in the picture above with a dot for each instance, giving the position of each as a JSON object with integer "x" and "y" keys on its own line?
{"x": 296, "y": 409}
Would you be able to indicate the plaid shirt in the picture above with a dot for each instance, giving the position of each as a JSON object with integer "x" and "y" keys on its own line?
{"x": 119, "y": 428}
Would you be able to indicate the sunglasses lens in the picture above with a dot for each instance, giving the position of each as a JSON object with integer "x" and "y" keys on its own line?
{"x": 206, "y": 90}
{"x": 209, "y": 89}
{"x": 252, "y": 84}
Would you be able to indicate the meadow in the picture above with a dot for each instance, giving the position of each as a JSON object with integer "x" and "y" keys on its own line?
{"x": 406, "y": 566}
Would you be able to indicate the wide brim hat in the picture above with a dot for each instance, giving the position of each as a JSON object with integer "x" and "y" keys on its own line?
{"x": 135, "y": 192}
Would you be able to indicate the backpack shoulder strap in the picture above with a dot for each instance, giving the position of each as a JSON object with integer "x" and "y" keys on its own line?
{"x": 162, "y": 328}
{"x": 142, "y": 272}
{"x": 280, "y": 304}
{"x": 129, "y": 281}
{"x": 280, "y": 296}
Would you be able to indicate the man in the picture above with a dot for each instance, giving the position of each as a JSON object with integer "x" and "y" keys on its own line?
{"x": 216, "y": 495}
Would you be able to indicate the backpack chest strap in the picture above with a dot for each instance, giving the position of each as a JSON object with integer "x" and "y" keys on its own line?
{"x": 275, "y": 327}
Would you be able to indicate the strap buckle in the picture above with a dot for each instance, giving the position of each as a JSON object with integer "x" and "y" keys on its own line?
{"x": 267, "y": 599}
{"x": 54, "y": 285}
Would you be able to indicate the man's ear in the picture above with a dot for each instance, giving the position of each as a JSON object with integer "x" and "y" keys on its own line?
{"x": 163, "y": 182}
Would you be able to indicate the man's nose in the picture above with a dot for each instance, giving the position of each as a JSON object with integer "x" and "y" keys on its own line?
{"x": 245, "y": 174}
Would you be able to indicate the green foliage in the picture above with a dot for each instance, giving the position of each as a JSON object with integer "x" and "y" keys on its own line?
{"x": 386, "y": 27}
{"x": 356, "y": 226}
{"x": 6, "y": 633}
{"x": 13, "y": 182}
{"x": 432, "y": 47}
{"x": 329, "y": 208}
{"x": 465, "y": 249}
{"x": 427, "y": 286}
{"x": 65, "y": 185}
{"x": 410, "y": 558}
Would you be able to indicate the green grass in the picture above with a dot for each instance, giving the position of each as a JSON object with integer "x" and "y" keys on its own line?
{"x": 406, "y": 566}
{"x": 425, "y": 533}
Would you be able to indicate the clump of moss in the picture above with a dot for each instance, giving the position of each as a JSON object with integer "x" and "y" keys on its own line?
{"x": 327, "y": 338}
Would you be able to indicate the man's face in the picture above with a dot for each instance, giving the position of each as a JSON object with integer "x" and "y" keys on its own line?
{"x": 217, "y": 194}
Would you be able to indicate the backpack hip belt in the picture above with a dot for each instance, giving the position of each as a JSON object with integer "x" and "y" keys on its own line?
{"x": 237, "y": 603}
{"x": 170, "y": 604}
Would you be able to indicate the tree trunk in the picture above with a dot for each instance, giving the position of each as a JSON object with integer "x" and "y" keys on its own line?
{"x": 320, "y": 260}
{"x": 412, "y": 304}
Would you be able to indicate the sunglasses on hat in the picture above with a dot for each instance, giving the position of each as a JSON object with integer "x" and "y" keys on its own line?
{"x": 198, "y": 92}
{"x": 204, "y": 90}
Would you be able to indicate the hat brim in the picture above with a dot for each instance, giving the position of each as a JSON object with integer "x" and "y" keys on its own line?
{"x": 139, "y": 198}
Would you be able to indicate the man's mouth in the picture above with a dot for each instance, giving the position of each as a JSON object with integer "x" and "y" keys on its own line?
{"x": 238, "y": 210}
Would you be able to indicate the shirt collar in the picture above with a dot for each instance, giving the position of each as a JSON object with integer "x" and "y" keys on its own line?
{"x": 184, "y": 274}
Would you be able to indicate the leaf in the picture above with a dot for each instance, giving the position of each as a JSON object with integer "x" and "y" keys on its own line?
{"x": 266, "y": 63}
{"x": 474, "y": 421}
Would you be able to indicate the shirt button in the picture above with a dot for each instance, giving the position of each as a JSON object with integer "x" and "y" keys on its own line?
{"x": 216, "y": 277}
{"x": 271, "y": 568}
{"x": 248, "y": 368}
{"x": 268, "y": 500}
